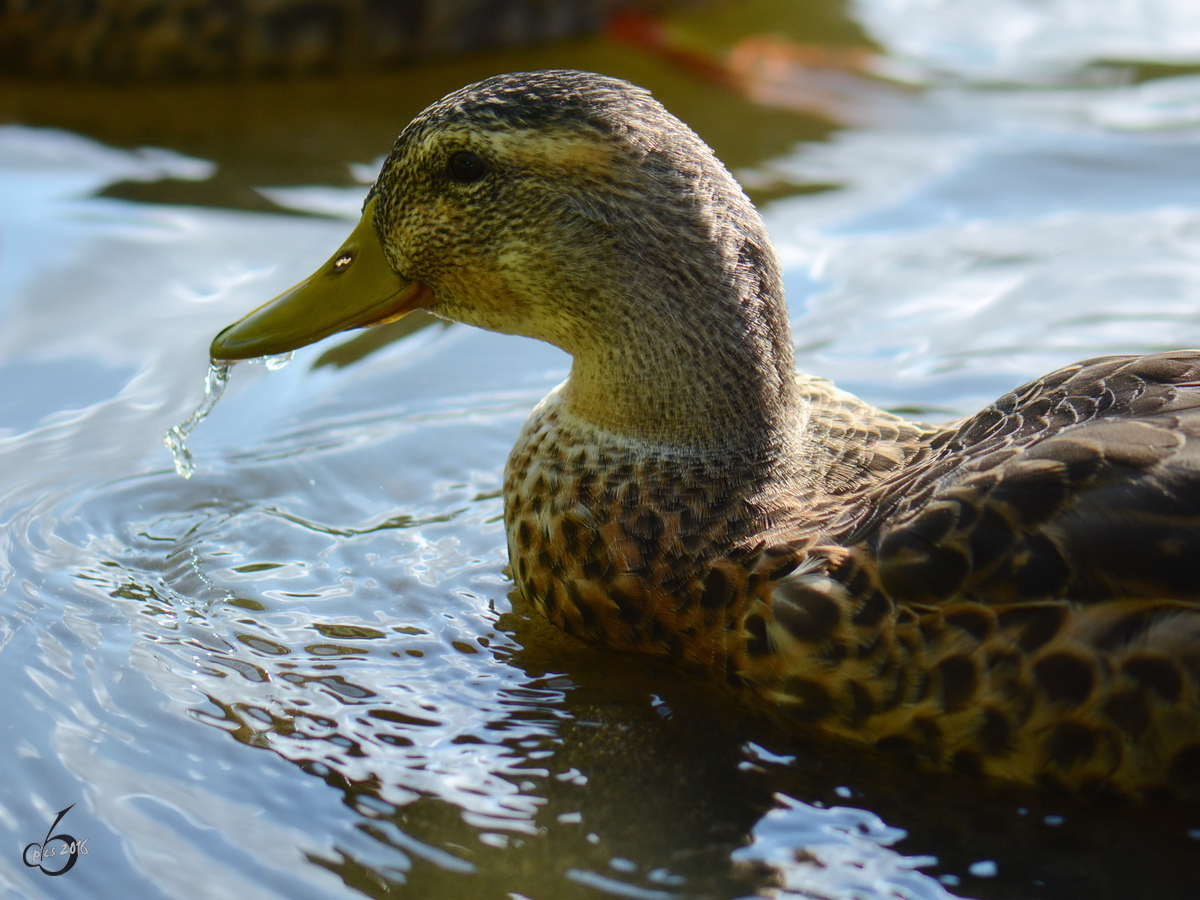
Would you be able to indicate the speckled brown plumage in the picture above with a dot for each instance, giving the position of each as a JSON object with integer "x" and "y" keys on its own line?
{"x": 1016, "y": 594}
{"x": 1043, "y": 561}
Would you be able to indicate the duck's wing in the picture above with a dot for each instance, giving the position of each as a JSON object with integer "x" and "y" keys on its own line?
{"x": 1083, "y": 485}
{"x": 1023, "y": 599}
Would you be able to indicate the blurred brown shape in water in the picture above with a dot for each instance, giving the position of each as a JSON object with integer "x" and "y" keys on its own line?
{"x": 165, "y": 39}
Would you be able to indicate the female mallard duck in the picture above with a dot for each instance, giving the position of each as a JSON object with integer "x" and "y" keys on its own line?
{"x": 1016, "y": 594}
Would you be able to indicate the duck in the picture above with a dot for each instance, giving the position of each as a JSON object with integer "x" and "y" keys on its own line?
{"x": 170, "y": 40}
{"x": 1013, "y": 595}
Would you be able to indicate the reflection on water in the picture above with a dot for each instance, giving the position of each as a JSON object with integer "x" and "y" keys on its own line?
{"x": 1015, "y": 41}
{"x": 299, "y": 673}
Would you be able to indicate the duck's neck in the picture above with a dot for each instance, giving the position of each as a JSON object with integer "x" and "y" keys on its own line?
{"x": 677, "y": 402}
{"x": 719, "y": 376}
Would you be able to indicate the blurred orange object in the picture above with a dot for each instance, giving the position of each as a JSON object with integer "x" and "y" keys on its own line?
{"x": 831, "y": 83}
{"x": 647, "y": 31}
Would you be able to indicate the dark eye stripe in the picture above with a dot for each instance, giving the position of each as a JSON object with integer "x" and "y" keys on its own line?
{"x": 465, "y": 167}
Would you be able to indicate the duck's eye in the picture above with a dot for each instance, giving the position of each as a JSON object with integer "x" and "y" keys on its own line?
{"x": 465, "y": 167}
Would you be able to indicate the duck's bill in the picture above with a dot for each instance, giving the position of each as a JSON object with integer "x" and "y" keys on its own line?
{"x": 355, "y": 288}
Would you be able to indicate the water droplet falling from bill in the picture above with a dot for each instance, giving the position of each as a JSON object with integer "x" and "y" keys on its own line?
{"x": 176, "y": 438}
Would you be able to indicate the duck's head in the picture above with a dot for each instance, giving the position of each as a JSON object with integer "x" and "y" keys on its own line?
{"x": 568, "y": 207}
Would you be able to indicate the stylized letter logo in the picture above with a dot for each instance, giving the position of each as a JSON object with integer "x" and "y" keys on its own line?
{"x": 70, "y": 848}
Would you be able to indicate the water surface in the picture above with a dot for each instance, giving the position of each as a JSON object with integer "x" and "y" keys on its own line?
{"x": 300, "y": 674}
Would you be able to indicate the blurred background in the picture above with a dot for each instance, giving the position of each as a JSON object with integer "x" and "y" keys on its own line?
{"x": 299, "y": 673}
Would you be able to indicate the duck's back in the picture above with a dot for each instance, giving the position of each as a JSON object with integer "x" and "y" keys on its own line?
{"x": 1083, "y": 485}
{"x": 1023, "y": 597}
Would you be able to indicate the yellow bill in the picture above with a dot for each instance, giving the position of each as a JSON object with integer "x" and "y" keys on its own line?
{"x": 354, "y": 289}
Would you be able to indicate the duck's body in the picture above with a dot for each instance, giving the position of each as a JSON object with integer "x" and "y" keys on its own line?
{"x": 1017, "y": 594}
{"x": 1014, "y": 596}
